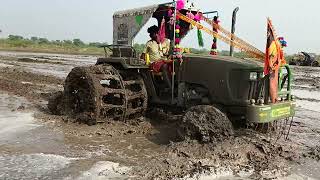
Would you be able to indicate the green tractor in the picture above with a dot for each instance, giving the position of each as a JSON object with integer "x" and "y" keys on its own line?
{"x": 214, "y": 92}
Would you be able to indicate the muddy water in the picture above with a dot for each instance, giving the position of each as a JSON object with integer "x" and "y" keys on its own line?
{"x": 30, "y": 150}
{"x": 35, "y": 145}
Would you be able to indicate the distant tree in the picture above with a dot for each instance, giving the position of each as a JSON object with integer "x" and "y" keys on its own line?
{"x": 34, "y": 39}
{"x": 15, "y": 37}
{"x": 68, "y": 42}
{"x": 95, "y": 44}
{"x": 43, "y": 41}
{"x": 139, "y": 48}
{"x": 78, "y": 42}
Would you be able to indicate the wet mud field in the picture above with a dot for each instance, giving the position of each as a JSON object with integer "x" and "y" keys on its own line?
{"x": 37, "y": 145}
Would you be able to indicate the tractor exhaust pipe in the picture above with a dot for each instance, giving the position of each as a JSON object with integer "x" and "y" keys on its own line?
{"x": 233, "y": 28}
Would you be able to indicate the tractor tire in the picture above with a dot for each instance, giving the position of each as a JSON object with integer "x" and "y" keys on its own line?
{"x": 206, "y": 124}
{"x": 293, "y": 63}
{"x": 101, "y": 93}
{"x": 55, "y": 103}
{"x": 315, "y": 64}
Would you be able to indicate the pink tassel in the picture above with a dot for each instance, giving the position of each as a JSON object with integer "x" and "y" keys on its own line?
{"x": 162, "y": 31}
{"x": 180, "y": 4}
{"x": 170, "y": 13}
{"x": 177, "y": 41}
{"x": 190, "y": 15}
{"x": 197, "y": 17}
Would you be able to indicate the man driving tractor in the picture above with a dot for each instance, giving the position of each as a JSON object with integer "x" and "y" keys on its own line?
{"x": 156, "y": 54}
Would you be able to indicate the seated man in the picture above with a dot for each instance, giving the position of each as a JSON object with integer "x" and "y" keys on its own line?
{"x": 155, "y": 53}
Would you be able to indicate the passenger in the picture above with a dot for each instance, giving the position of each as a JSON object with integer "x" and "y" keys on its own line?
{"x": 156, "y": 54}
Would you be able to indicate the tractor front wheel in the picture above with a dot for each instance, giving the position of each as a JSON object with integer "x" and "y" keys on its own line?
{"x": 206, "y": 124}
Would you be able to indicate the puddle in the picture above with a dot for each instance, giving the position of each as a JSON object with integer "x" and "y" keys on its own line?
{"x": 31, "y": 166}
{"x": 12, "y": 122}
{"x": 105, "y": 170}
{"x": 306, "y": 94}
{"x": 305, "y": 104}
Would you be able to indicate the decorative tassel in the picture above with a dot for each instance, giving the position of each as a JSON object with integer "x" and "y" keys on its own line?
{"x": 197, "y": 17}
{"x": 162, "y": 31}
{"x": 200, "y": 38}
{"x": 180, "y": 4}
{"x": 190, "y": 15}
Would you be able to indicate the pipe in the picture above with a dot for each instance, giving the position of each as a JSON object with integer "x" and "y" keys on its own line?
{"x": 233, "y": 29}
{"x": 174, "y": 37}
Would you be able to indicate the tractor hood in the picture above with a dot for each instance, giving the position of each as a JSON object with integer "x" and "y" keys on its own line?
{"x": 227, "y": 79}
{"x": 228, "y": 60}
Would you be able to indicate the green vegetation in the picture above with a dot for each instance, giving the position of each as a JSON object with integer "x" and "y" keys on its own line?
{"x": 38, "y": 44}
{"x": 77, "y": 46}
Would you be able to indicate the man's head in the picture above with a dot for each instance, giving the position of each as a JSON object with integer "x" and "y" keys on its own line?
{"x": 153, "y": 31}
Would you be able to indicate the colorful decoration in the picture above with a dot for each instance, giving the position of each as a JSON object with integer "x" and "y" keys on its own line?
{"x": 200, "y": 38}
{"x": 214, "y": 47}
{"x": 282, "y": 42}
{"x": 180, "y": 4}
{"x": 162, "y": 31}
{"x": 190, "y": 15}
{"x": 197, "y": 17}
{"x": 139, "y": 19}
{"x": 170, "y": 13}
{"x": 273, "y": 61}
{"x": 177, "y": 51}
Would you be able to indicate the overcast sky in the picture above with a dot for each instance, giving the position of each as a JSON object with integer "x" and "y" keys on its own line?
{"x": 91, "y": 20}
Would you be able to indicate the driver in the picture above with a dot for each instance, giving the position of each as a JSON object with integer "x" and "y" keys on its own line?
{"x": 155, "y": 52}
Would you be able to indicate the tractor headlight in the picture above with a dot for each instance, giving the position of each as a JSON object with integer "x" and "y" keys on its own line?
{"x": 253, "y": 76}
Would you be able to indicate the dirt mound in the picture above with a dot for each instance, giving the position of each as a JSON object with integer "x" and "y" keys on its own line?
{"x": 27, "y": 84}
{"x": 205, "y": 124}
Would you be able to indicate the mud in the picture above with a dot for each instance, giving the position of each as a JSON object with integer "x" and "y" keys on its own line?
{"x": 205, "y": 124}
{"x": 147, "y": 148}
{"x": 101, "y": 93}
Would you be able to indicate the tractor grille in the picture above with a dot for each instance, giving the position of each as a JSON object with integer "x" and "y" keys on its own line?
{"x": 257, "y": 89}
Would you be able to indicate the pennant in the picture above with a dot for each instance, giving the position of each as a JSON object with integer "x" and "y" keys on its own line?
{"x": 139, "y": 20}
{"x": 200, "y": 38}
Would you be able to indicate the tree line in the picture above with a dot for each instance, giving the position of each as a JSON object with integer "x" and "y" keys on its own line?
{"x": 44, "y": 41}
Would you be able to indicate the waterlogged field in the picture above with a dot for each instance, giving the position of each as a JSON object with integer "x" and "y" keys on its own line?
{"x": 37, "y": 145}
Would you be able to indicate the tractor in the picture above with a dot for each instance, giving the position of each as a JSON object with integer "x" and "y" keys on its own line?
{"x": 213, "y": 92}
{"x": 305, "y": 59}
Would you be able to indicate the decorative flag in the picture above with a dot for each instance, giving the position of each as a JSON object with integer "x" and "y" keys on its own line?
{"x": 139, "y": 19}
{"x": 272, "y": 61}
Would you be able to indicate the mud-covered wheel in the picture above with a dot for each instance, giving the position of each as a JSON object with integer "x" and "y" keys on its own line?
{"x": 206, "y": 124}
{"x": 56, "y": 103}
{"x": 293, "y": 62}
{"x": 315, "y": 64}
{"x": 102, "y": 93}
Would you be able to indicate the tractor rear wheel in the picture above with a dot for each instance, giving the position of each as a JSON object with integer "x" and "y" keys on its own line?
{"x": 315, "y": 64}
{"x": 206, "y": 124}
{"x": 101, "y": 93}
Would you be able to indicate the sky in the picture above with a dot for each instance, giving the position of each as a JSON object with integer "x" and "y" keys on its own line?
{"x": 91, "y": 20}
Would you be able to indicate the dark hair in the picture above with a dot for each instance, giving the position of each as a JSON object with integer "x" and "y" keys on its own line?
{"x": 153, "y": 29}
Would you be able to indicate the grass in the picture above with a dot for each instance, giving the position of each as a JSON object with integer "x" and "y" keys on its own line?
{"x": 25, "y": 45}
